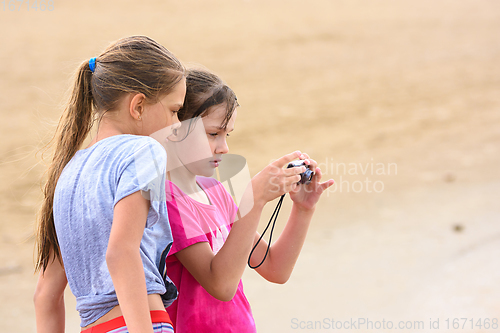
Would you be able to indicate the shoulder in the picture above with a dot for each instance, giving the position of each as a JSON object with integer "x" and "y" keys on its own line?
{"x": 139, "y": 142}
{"x": 176, "y": 199}
{"x": 138, "y": 148}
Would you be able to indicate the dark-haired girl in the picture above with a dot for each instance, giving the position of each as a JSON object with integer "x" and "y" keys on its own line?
{"x": 211, "y": 249}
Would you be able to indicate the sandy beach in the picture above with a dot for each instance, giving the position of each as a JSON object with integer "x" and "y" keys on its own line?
{"x": 398, "y": 101}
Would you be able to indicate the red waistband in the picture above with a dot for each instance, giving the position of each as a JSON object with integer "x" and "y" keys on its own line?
{"x": 157, "y": 316}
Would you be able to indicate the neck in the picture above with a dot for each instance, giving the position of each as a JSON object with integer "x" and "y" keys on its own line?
{"x": 110, "y": 125}
{"x": 184, "y": 179}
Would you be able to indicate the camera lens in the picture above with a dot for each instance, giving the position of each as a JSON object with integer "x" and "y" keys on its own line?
{"x": 306, "y": 176}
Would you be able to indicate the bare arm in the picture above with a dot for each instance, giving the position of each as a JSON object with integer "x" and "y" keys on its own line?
{"x": 49, "y": 298}
{"x": 125, "y": 264}
{"x": 284, "y": 253}
{"x": 220, "y": 274}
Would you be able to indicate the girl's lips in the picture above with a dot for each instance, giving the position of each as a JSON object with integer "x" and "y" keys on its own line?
{"x": 215, "y": 163}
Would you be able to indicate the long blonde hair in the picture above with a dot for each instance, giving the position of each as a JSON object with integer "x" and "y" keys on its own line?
{"x": 134, "y": 64}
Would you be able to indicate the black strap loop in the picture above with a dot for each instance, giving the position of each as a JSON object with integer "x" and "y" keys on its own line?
{"x": 276, "y": 212}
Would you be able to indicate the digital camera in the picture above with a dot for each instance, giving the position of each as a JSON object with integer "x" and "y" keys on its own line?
{"x": 306, "y": 176}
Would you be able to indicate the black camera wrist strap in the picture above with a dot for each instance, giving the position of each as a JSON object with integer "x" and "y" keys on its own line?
{"x": 275, "y": 216}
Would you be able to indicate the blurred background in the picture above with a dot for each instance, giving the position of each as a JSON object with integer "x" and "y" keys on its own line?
{"x": 397, "y": 100}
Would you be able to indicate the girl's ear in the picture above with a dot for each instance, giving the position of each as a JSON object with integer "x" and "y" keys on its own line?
{"x": 136, "y": 106}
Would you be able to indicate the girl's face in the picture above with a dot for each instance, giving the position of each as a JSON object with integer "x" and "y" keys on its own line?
{"x": 201, "y": 151}
{"x": 163, "y": 114}
{"x": 217, "y": 136}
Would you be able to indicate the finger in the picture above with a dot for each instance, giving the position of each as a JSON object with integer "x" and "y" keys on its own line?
{"x": 309, "y": 161}
{"x": 318, "y": 174}
{"x": 303, "y": 156}
{"x": 294, "y": 187}
{"x": 312, "y": 164}
{"x": 282, "y": 161}
{"x": 289, "y": 181}
{"x": 293, "y": 179}
{"x": 327, "y": 184}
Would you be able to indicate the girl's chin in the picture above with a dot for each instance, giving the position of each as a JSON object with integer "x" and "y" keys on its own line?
{"x": 204, "y": 172}
{"x": 208, "y": 173}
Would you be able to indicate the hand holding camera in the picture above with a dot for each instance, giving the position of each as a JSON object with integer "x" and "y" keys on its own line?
{"x": 307, "y": 195}
{"x": 275, "y": 180}
{"x": 299, "y": 177}
{"x": 306, "y": 176}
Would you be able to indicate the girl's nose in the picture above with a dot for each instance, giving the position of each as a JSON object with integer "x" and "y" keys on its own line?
{"x": 222, "y": 147}
{"x": 175, "y": 122}
{"x": 176, "y": 125}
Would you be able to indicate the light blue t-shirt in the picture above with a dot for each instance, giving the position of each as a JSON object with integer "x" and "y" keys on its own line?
{"x": 90, "y": 185}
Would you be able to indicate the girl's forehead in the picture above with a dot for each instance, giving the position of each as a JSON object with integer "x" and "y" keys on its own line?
{"x": 217, "y": 115}
{"x": 217, "y": 112}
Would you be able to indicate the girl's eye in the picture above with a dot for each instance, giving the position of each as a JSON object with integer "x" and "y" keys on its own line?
{"x": 213, "y": 134}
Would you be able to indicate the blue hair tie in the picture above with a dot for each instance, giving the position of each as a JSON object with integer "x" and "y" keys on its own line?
{"x": 92, "y": 64}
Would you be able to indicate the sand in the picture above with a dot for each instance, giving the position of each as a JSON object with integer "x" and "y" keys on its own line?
{"x": 398, "y": 100}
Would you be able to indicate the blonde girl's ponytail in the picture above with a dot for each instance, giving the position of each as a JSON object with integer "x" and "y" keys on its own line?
{"x": 73, "y": 128}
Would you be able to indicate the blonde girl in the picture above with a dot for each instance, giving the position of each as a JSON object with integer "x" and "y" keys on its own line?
{"x": 210, "y": 252}
{"x": 100, "y": 203}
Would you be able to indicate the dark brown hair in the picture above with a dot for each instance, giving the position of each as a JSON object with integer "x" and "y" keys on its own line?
{"x": 203, "y": 91}
{"x": 134, "y": 64}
